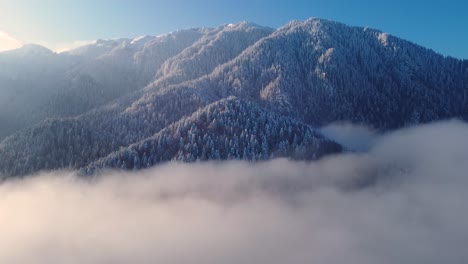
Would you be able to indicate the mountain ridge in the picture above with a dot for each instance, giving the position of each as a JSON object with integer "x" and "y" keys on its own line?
{"x": 315, "y": 71}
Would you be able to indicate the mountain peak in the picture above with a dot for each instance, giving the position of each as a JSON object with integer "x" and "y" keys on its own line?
{"x": 244, "y": 25}
{"x": 313, "y": 22}
{"x": 32, "y": 50}
{"x": 141, "y": 40}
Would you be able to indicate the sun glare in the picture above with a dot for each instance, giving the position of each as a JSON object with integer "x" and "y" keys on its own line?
{"x": 8, "y": 42}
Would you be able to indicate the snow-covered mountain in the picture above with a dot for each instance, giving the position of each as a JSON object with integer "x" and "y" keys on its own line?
{"x": 36, "y": 83}
{"x": 28, "y": 76}
{"x": 227, "y": 129}
{"x": 219, "y": 93}
{"x": 215, "y": 48}
{"x": 321, "y": 71}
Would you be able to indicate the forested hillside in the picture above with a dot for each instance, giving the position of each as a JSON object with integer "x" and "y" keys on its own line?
{"x": 238, "y": 91}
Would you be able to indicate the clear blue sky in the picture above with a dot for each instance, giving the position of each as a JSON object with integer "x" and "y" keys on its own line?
{"x": 436, "y": 24}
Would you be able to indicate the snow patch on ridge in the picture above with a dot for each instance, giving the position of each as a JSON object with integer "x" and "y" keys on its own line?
{"x": 383, "y": 38}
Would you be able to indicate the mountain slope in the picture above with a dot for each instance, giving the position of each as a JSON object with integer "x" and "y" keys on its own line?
{"x": 315, "y": 71}
{"x": 213, "y": 49}
{"x": 323, "y": 71}
{"x": 227, "y": 129}
{"x": 27, "y": 78}
{"x": 36, "y": 83}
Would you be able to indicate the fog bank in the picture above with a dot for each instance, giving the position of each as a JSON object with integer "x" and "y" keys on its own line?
{"x": 403, "y": 201}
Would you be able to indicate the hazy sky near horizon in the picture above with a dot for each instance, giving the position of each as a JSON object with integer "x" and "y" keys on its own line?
{"x": 59, "y": 24}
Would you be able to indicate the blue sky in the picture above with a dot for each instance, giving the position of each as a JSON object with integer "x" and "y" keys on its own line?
{"x": 436, "y": 24}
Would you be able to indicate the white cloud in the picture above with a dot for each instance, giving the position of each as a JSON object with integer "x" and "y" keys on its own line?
{"x": 351, "y": 136}
{"x": 402, "y": 202}
{"x": 8, "y": 42}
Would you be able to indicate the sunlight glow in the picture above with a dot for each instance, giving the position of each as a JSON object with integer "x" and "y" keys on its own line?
{"x": 8, "y": 42}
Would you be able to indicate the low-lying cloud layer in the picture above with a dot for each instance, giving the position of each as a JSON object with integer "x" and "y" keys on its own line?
{"x": 402, "y": 202}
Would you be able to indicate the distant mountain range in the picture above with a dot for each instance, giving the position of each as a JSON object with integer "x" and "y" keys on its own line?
{"x": 238, "y": 91}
